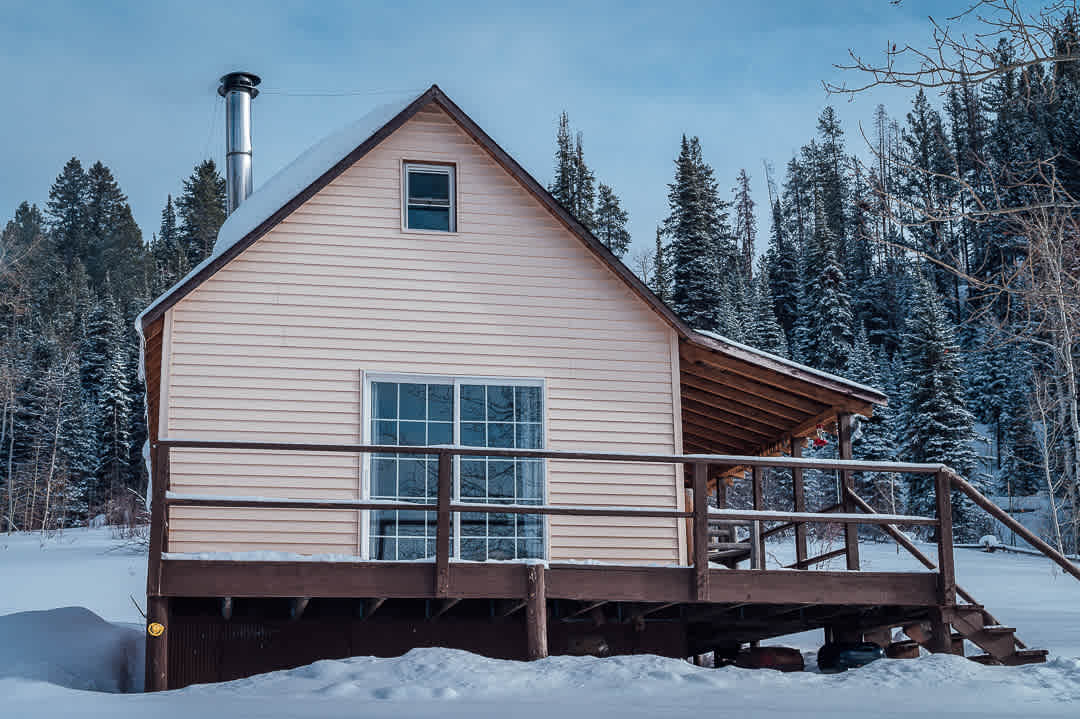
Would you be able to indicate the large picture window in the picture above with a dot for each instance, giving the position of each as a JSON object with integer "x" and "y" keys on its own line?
{"x": 473, "y": 413}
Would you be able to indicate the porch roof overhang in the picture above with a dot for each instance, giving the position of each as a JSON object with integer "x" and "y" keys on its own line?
{"x": 739, "y": 400}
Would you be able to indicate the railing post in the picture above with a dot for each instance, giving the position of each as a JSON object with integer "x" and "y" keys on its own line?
{"x": 701, "y": 533}
{"x": 757, "y": 474}
{"x": 442, "y": 528}
{"x": 946, "y": 568}
{"x": 157, "y": 606}
{"x": 799, "y": 490}
{"x": 851, "y": 531}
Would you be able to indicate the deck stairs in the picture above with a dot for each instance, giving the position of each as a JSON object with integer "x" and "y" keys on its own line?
{"x": 972, "y": 623}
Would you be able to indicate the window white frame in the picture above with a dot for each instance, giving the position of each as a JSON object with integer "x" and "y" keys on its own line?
{"x": 448, "y": 169}
{"x": 367, "y": 413}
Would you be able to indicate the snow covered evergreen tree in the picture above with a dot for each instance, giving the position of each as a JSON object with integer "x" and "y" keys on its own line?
{"x": 115, "y": 408}
{"x": 937, "y": 424}
{"x": 765, "y": 332}
{"x": 876, "y": 435}
{"x": 701, "y": 248}
{"x": 824, "y": 325}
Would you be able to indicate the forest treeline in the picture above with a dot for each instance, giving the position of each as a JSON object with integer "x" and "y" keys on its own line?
{"x": 73, "y": 277}
{"x": 878, "y": 267}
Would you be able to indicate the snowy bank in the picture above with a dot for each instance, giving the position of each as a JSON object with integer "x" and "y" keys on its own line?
{"x": 72, "y": 647}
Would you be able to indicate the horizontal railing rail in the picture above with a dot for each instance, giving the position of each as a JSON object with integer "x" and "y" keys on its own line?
{"x": 729, "y": 460}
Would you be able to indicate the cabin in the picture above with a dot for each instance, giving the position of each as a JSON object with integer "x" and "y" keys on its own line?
{"x": 410, "y": 401}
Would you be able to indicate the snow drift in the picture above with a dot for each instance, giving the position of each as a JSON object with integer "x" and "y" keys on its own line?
{"x": 72, "y": 647}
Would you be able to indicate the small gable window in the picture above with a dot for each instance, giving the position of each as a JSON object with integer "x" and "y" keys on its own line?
{"x": 429, "y": 197}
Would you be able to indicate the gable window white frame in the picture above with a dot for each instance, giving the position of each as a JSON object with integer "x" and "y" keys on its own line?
{"x": 412, "y": 410}
{"x": 429, "y": 197}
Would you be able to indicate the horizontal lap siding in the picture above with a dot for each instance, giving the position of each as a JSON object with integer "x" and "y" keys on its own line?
{"x": 273, "y": 345}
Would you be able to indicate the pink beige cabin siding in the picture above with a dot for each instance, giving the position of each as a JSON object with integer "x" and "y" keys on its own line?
{"x": 274, "y": 345}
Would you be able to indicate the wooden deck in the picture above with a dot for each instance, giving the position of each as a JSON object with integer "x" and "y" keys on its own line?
{"x": 266, "y": 615}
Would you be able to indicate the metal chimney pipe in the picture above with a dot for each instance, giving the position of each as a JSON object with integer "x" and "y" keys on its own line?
{"x": 238, "y": 89}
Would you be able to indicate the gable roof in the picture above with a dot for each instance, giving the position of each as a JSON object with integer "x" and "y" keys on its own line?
{"x": 315, "y": 169}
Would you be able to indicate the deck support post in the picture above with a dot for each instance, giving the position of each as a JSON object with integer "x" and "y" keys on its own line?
{"x": 157, "y": 647}
{"x": 799, "y": 490}
{"x": 946, "y": 569}
{"x": 940, "y": 633}
{"x": 851, "y": 531}
{"x": 757, "y": 474}
{"x": 701, "y": 533}
{"x": 442, "y": 531}
{"x": 536, "y": 613}
{"x": 156, "y": 677}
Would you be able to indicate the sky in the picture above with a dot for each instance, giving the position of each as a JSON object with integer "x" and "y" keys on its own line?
{"x": 133, "y": 83}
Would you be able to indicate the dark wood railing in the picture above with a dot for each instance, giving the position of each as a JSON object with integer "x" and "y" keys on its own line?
{"x": 845, "y": 513}
{"x": 444, "y": 505}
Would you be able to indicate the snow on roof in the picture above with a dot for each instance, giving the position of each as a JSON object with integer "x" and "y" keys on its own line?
{"x": 289, "y": 182}
{"x": 789, "y": 363}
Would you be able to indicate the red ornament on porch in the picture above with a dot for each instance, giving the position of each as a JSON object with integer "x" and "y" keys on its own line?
{"x": 819, "y": 440}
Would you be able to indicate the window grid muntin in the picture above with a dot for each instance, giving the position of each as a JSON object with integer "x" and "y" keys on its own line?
{"x": 490, "y": 535}
{"x": 405, "y": 534}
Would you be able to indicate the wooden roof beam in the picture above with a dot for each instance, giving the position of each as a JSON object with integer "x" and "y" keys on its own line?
{"x": 739, "y": 408}
{"x": 704, "y": 427}
{"x": 745, "y": 391}
{"x": 717, "y": 413}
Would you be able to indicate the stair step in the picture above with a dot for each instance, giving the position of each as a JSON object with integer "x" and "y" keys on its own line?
{"x": 998, "y": 629}
{"x": 1024, "y": 656}
{"x": 907, "y": 649}
{"x": 986, "y": 659}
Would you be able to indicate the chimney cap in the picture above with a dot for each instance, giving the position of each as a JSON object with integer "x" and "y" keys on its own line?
{"x": 245, "y": 81}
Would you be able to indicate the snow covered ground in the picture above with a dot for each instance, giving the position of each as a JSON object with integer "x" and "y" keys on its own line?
{"x": 48, "y": 659}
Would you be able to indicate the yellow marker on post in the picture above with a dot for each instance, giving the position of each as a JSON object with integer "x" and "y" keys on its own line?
{"x": 155, "y": 629}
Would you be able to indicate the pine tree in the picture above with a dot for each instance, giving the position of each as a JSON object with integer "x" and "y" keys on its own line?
{"x": 830, "y": 168}
{"x": 823, "y": 328}
{"x": 611, "y": 221}
{"x": 928, "y": 194}
{"x": 584, "y": 201}
{"x": 202, "y": 211}
{"x": 701, "y": 250}
{"x": 876, "y": 436}
{"x": 67, "y": 212}
{"x": 745, "y": 224}
{"x": 937, "y": 424}
{"x": 115, "y": 420}
{"x": 574, "y": 185}
{"x": 660, "y": 282}
{"x": 733, "y": 314}
{"x": 170, "y": 258}
{"x": 783, "y": 269}
{"x": 765, "y": 332}
{"x": 562, "y": 187}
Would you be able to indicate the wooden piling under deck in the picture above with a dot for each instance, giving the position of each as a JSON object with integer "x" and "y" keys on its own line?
{"x": 536, "y": 626}
{"x": 157, "y": 647}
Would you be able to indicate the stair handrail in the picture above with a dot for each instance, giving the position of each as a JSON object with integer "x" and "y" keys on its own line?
{"x": 893, "y": 531}
{"x": 984, "y": 503}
